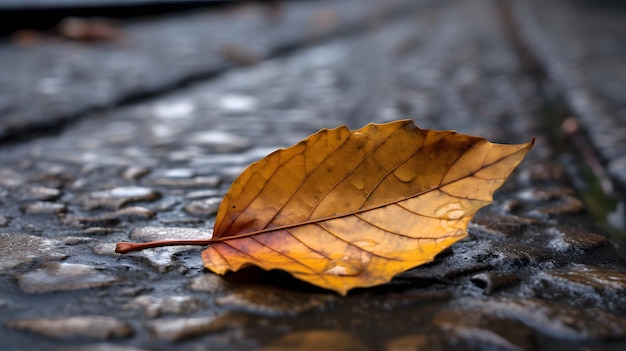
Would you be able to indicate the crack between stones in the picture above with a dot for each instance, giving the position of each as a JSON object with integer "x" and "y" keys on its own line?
{"x": 563, "y": 131}
{"x": 56, "y": 126}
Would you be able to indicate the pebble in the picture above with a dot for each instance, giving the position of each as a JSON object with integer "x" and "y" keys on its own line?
{"x": 163, "y": 258}
{"x": 117, "y": 197}
{"x": 55, "y": 175}
{"x": 496, "y": 225}
{"x": 205, "y": 207}
{"x": 587, "y": 285}
{"x": 236, "y": 103}
{"x": 162, "y": 233}
{"x": 201, "y": 194}
{"x": 210, "y": 283}
{"x": 105, "y": 249}
{"x": 451, "y": 267}
{"x": 90, "y": 327}
{"x": 551, "y": 318}
{"x": 491, "y": 281}
{"x": 135, "y": 172}
{"x": 4, "y": 221}
{"x": 10, "y": 178}
{"x": 179, "y": 173}
{"x": 174, "y": 329}
{"x": 272, "y": 301}
{"x": 44, "y": 207}
{"x": 56, "y": 276}
{"x": 98, "y": 347}
{"x": 317, "y": 340}
{"x": 132, "y": 212}
{"x": 40, "y": 193}
{"x": 174, "y": 110}
{"x": 167, "y": 204}
{"x": 574, "y": 239}
{"x": 195, "y": 182}
{"x": 491, "y": 332}
{"x": 20, "y": 248}
{"x": 218, "y": 141}
{"x": 538, "y": 171}
{"x": 155, "y": 306}
{"x": 552, "y": 201}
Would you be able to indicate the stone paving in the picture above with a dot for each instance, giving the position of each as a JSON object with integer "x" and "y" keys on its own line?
{"x": 582, "y": 50}
{"x": 535, "y": 273}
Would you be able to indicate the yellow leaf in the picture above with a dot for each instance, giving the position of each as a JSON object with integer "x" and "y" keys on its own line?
{"x": 344, "y": 209}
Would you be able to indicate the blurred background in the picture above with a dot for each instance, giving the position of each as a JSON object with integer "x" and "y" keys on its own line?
{"x": 493, "y": 67}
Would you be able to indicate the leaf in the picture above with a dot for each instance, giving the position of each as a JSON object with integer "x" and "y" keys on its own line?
{"x": 344, "y": 209}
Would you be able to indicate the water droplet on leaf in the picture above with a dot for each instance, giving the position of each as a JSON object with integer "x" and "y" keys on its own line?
{"x": 358, "y": 182}
{"x": 450, "y": 211}
{"x": 366, "y": 243}
{"x": 405, "y": 173}
{"x": 343, "y": 267}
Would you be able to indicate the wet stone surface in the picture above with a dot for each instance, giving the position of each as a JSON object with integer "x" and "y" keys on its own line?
{"x": 581, "y": 63}
{"x": 534, "y": 272}
{"x": 16, "y": 248}
{"x": 94, "y": 327}
{"x": 54, "y": 276}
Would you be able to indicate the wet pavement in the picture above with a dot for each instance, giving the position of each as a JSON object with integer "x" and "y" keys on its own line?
{"x": 137, "y": 137}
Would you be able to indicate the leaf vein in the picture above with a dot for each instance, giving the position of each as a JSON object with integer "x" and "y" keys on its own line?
{"x": 351, "y": 171}
{"x": 369, "y": 194}
{"x": 356, "y": 246}
{"x": 306, "y": 176}
{"x": 284, "y": 254}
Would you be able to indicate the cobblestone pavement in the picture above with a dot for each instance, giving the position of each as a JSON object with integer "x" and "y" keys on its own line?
{"x": 535, "y": 273}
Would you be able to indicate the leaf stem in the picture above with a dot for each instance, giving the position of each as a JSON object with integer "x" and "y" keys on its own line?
{"x": 125, "y": 247}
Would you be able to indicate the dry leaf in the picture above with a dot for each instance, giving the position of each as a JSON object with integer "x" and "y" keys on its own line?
{"x": 344, "y": 209}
